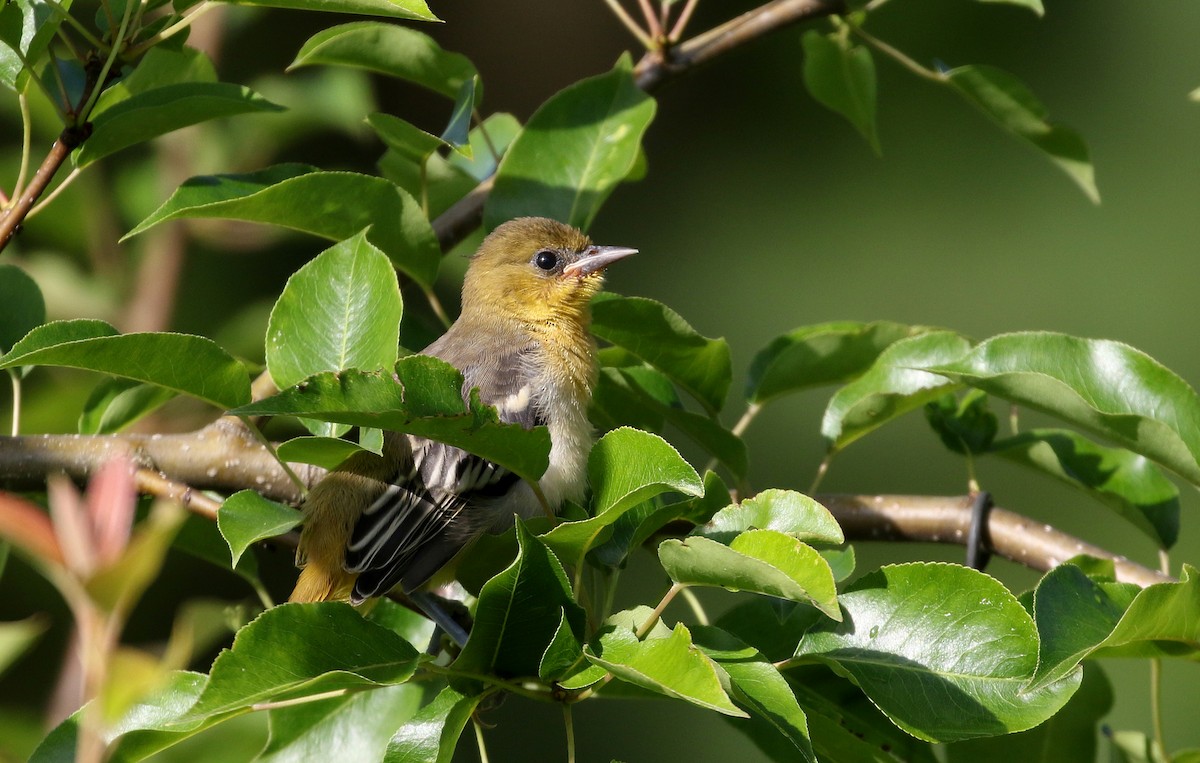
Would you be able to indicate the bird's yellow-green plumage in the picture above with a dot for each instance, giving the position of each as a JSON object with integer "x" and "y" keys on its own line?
{"x": 523, "y": 340}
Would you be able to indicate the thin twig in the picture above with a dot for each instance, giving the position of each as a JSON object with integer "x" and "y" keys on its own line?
{"x": 175, "y": 28}
{"x": 653, "y": 25}
{"x": 50, "y": 197}
{"x": 11, "y": 220}
{"x": 647, "y": 626}
{"x": 682, "y": 22}
{"x": 899, "y": 57}
{"x": 26, "y": 143}
{"x": 627, "y": 20}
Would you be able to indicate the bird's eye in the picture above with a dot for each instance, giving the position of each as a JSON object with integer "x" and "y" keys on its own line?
{"x": 545, "y": 259}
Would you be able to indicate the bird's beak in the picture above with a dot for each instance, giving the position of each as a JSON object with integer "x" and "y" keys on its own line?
{"x": 597, "y": 258}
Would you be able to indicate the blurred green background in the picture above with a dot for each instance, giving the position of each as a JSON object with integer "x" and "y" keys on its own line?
{"x": 761, "y": 212}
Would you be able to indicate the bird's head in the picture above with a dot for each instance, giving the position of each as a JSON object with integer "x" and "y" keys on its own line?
{"x": 536, "y": 270}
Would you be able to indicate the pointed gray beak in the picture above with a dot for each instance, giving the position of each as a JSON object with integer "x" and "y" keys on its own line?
{"x": 597, "y": 258}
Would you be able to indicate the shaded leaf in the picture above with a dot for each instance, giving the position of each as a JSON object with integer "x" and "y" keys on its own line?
{"x": 1009, "y": 102}
{"x": 325, "y": 452}
{"x": 661, "y": 337}
{"x": 813, "y": 356}
{"x": 246, "y": 518}
{"x": 1126, "y": 482}
{"x": 156, "y": 112}
{"x": 966, "y": 426}
{"x": 116, "y": 403}
{"x": 350, "y": 727}
{"x": 519, "y": 613}
{"x": 841, "y": 76}
{"x": 24, "y": 308}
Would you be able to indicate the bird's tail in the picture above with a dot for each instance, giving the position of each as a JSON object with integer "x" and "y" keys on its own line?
{"x": 318, "y": 582}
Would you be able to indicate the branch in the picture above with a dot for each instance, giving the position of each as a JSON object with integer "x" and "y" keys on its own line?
{"x": 655, "y": 69}
{"x": 921, "y": 518}
{"x": 11, "y": 220}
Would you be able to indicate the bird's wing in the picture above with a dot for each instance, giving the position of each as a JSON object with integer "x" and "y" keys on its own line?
{"x": 423, "y": 517}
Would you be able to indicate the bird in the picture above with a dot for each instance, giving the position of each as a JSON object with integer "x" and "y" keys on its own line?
{"x": 522, "y": 339}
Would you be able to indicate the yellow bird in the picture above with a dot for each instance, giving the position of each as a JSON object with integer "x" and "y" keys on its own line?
{"x": 523, "y": 340}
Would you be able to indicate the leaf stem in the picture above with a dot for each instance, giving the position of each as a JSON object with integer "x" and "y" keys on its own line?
{"x": 569, "y": 726}
{"x": 54, "y": 194}
{"x": 16, "y": 401}
{"x": 899, "y": 57}
{"x": 483, "y": 756}
{"x": 694, "y": 603}
{"x": 499, "y": 683}
{"x": 822, "y": 469}
{"x": 653, "y": 26}
{"x": 630, "y": 24}
{"x": 26, "y": 142}
{"x": 1156, "y": 717}
{"x": 79, "y": 28}
{"x": 435, "y": 304}
{"x": 682, "y": 22}
{"x": 175, "y": 28}
{"x": 646, "y": 627}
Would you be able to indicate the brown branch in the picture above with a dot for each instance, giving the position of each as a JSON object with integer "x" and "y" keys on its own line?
{"x": 655, "y": 69}
{"x": 935, "y": 519}
{"x": 222, "y": 456}
{"x": 11, "y": 220}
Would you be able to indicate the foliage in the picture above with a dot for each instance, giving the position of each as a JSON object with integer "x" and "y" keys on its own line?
{"x": 809, "y": 663}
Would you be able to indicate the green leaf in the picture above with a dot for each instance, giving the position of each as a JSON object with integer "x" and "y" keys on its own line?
{"x": 757, "y": 687}
{"x": 325, "y": 452}
{"x": 332, "y": 205}
{"x": 757, "y": 561}
{"x": 1069, "y": 736}
{"x": 432, "y": 734}
{"x": 951, "y": 635}
{"x": 350, "y": 727}
{"x": 1127, "y": 483}
{"x": 298, "y": 650}
{"x": 1078, "y": 617}
{"x": 165, "y": 109}
{"x": 813, "y": 356}
{"x": 184, "y": 363}
{"x": 24, "y": 307}
{"x": 391, "y": 50}
{"x": 16, "y": 637}
{"x": 1009, "y": 102}
{"x": 573, "y": 152}
{"x": 339, "y": 311}
{"x": 562, "y": 654}
{"x": 407, "y": 140}
{"x": 414, "y": 10}
{"x": 26, "y": 29}
{"x": 246, "y": 518}
{"x": 841, "y": 76}
{"x": 422, "y": 397}
{"x": 1105, "y": 387}
{"x": 670, "y": 665}
{"x": 158, "y": 68}
{"x": 149, "y": 726}
{"x": 891, "y": 387}
{"x": 659, "y": 336}
{"x": 784, "y": 511}
{"x": 628, "y": 466}
{"x": 519, "y": 612}
{"x": 116, "y": 403}
{"x": 201, "y": 538}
